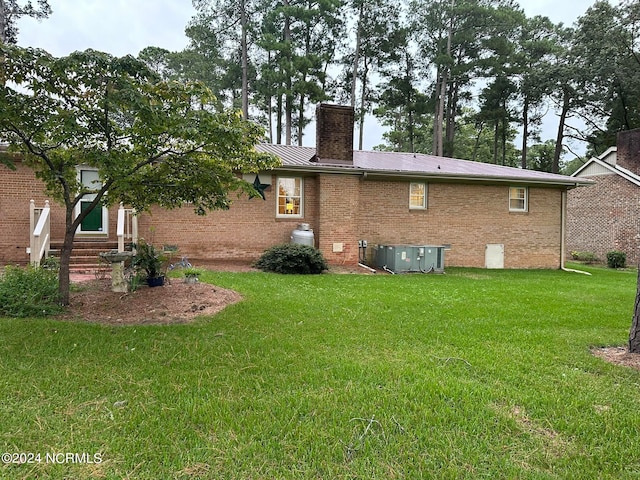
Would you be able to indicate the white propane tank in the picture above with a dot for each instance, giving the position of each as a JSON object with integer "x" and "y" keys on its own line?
{"x": 303, "y": 235}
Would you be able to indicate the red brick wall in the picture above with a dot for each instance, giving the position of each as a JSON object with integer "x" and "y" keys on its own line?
{"x": 15, "y": 193}
{"x": 334, "y": 133}
{"x": 467, "y": 217}
{"x": 241, "y": 233}
{"x": 340, "y": 209}
{"x": 604, "y": 217}
{"x": 628, "y": 150}
{"x": 17, "y": 188}
{"x": 339, "y": 218}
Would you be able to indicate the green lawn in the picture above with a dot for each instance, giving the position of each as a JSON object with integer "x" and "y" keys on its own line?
{"x": 471, "y": 374}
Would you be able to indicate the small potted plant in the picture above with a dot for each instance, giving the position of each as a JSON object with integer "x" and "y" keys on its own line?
{"x": 191, "y": 274}
{"x": 151, "y": 262}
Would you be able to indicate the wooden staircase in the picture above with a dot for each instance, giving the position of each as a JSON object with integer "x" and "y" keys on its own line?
{"x": 85, "y": 256}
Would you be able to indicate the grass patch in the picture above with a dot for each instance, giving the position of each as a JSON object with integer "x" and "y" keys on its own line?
{"x": 471, "y": 374}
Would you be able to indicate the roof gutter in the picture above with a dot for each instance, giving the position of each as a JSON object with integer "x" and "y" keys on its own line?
{"x": 571, "y": 182}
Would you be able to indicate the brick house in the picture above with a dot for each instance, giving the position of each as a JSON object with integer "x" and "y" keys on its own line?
{"x": 606, "y": 216}
{"x": 516, "y": 216}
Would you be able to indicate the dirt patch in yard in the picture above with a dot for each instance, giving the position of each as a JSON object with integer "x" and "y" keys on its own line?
{"x": 175, "y": 302}
{"x": 618, "y": 356}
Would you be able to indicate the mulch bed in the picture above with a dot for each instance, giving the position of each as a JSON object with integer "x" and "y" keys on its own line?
{"x": 175, "y": 302}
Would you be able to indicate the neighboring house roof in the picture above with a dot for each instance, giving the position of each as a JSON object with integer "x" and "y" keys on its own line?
{"x": 605, "y": 164}
{"x": 418, "y": 165}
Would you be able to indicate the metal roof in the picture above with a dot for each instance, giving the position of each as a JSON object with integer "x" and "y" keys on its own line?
{"x": 416, "y": 164}
{"x": 291, "y": 155}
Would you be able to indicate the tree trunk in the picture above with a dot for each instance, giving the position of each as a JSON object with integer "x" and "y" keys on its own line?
{"x": 4, "y": 22}
{"x": 245, "y": 61}
{"x": 410, "y": 104}
{"x": 303, "y": 80}
{"x": 288, "y": 96}
{"x": 555, "y": 168}
{"x": 503, "y": 134}
{"x": 70, "y": 227}
{"x": 634, "y": 333}
{"x": 525, "y": 132}
{"x": 495, "y": 142}
{"x": 288, "y": 113}
{"x": 476, "y": 144}
{"x": 439, "y": 113}
{"x": 363, "y": 105}
{"x": 301, "y": 119}
{"x": 270, "y": 104}
{"x": 356, "y": 60}
{"x": 65, "y": 257}
{"x": 270, "y": 117}
{"x": 452, "y": 111}
{"x": 279, "y": 119}
{"x": 438, "y": 123}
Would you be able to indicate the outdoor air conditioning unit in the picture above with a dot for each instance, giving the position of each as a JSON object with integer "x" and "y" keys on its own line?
{"x": 410, "y": 258}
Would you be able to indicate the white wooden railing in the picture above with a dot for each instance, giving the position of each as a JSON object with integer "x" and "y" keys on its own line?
{"x": 127, "y": 228}
{"x": 39, "y": 232}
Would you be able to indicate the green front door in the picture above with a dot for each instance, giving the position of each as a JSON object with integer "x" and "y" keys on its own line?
{"x": 96, "y": 221}
{"x": 93, "y": 221}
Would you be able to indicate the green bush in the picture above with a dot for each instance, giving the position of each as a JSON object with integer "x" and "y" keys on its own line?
{"x": 616, "y": 259}
{"x": 29, "y": 292}
{"x": 292, "y": 258}
{"x": 51, "y": 263}
{"x": 586, "y": 257}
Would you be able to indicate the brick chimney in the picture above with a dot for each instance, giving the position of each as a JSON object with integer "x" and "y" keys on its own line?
{"x": 628, "y": 150}
{"x": 334, "y": 134}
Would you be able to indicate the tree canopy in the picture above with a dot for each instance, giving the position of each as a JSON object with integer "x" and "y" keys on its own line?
{"x": 12, "y": 10}
{"x": 151, "y": 141}
{"x": 420, "y": 65}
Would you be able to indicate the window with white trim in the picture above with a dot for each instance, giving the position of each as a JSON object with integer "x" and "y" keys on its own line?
{"x": 290, "y": 195}
{"x": 518, "y": 199}
{"x": 417, "y": 195}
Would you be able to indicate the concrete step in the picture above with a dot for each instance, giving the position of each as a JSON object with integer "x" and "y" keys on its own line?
{"x": 94, "y": 260}
{"x": 91, "y": 271}
{"x": 102, "y": 246}
{"x": 85, "y": 252}
{"x": 85, "y": 257}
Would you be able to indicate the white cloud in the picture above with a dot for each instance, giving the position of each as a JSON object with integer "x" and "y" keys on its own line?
{"x": 118, "y": 27}
{"x": 122, "y": 27}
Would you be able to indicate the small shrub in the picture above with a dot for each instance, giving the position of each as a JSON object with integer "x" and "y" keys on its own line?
{"x": 292, "y": 258}
{"x": 192, "y": 274}
{"x": 149, "y": 260}
{"x": 586, "y": 257}
{"x": 616, "y": 259}
{"x": 51, "y": 263}
{"x": 29, "y": 292}
{"x": 135, "y": 280}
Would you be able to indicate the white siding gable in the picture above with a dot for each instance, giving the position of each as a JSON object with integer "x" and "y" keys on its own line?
{"x": 595, "y": 169}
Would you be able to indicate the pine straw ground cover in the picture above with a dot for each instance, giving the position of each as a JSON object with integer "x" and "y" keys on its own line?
{"x": 471, "y": 374}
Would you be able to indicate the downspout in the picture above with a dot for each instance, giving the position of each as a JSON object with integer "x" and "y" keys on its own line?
{"x": 361, "y": 262}
{"x": 563, "y": 229}
{"x": 367, "y": 267}
{"x": 563, "y": 226}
